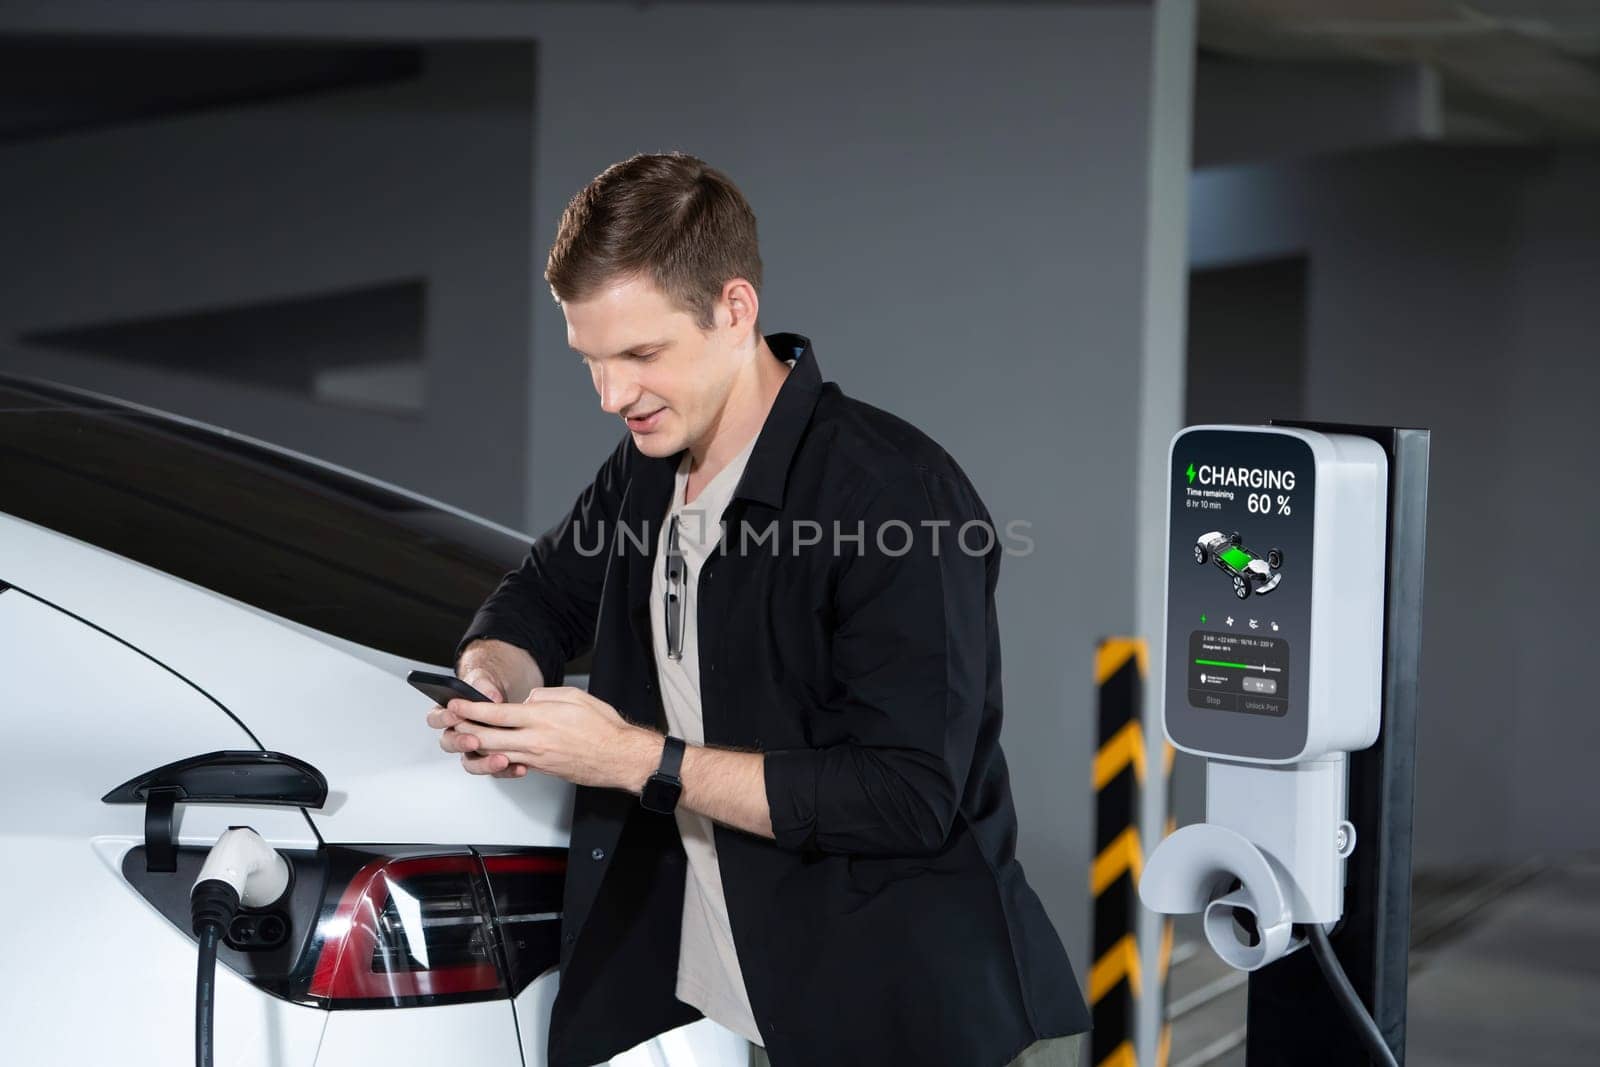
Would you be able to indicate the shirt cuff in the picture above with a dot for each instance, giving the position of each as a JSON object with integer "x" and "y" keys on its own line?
{"x": 791, "y": 781}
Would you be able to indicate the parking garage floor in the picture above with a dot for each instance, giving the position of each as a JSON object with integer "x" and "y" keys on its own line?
{"x": 1505, "y": 969}
{"x": 1518, "y": 982}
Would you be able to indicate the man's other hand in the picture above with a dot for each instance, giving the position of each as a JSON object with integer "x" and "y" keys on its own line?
{"x": 494, "y": 668}
{"x": 496, "y": 764}
{"x": 560, "y": 731}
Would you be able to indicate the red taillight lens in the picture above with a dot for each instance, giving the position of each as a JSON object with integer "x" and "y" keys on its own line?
{"x": 436, "y": 928}
{"x": 526, "y": 888}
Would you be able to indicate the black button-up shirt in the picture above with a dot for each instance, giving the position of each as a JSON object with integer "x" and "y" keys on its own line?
{"x": 847, "y": 630}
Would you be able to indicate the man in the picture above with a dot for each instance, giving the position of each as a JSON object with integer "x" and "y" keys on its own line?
{"x": 792, "y": 815}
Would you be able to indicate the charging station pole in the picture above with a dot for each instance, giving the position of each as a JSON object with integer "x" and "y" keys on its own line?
{"x": 1292, "y": 1017}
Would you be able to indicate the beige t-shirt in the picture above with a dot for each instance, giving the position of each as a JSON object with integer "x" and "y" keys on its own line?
{"x": 708, "y": 966}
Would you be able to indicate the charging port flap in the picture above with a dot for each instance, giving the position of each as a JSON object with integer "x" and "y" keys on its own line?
{"x": 228, "y": 777}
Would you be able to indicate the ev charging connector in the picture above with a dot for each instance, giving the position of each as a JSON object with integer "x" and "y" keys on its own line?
{"x": 255, "y": 871}
{"x": 1274, "y": 628}
{"x": 241, "y": 870}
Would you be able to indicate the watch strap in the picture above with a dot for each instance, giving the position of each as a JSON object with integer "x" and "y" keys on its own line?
{"x": 671, "y": 757}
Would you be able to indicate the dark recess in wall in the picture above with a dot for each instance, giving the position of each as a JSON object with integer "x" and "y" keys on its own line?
{"x": 288, "y": 344}
{"x": 1247, "y": 342}
{"x": 51, "y": 86}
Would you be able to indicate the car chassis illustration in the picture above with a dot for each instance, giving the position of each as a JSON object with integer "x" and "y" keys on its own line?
{"x": 1250, "y": 573}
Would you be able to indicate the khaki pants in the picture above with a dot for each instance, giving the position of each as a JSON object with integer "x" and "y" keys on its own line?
{"x": 1048, "y": 1052}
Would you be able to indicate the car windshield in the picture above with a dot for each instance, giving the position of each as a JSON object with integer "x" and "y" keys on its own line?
{"x": 293, "y": 537}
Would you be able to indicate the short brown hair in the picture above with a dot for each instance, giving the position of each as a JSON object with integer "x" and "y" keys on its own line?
{"x": 669, "y": 216}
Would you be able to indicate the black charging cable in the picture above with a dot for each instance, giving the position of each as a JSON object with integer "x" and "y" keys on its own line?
{"x": 212, "y": 905}
{"x": 1343, "y": 992}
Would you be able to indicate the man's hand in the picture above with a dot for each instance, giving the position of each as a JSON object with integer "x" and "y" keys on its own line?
{"x": 561, "y": 731}
{"x": 494, "y": 668}
{"x": 477, "y": 762}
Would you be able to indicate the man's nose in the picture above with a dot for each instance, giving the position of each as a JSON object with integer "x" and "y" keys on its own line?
{"x": 617, "y": 389}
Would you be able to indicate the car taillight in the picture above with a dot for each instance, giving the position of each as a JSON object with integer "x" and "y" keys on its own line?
{"x": 422, "y": 927}
{"x": 384, "y": 926}
{"x": 526, "y": 889}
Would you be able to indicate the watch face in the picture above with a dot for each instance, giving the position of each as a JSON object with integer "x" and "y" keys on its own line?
{"x": 660, "y": 794}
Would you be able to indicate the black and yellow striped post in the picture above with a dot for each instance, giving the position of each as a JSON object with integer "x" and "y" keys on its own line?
{"x": 1116, "y": 984}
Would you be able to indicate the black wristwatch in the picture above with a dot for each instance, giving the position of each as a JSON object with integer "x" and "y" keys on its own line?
{"x": 662, "y": 789}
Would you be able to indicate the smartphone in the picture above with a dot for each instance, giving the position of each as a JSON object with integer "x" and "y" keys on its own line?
{"x": 443, "y": 688}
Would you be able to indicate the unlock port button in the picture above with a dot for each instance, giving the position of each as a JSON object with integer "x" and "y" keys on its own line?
{"x": 1262, "y": 706}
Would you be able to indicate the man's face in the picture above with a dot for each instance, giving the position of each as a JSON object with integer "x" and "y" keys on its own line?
{"x": 652, "y": 365}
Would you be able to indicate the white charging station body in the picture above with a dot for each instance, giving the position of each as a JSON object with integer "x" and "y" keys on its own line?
{"x": 1273, "y": 672}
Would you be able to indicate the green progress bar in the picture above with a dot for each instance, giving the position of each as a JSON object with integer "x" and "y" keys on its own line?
{"x": 1220, "y": 663}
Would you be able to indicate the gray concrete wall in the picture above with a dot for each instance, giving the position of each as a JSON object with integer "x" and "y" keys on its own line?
{"x": 425, "y": 179}
{"x": 1256, "y": 110}
{"x": 1552, "y": 383}
{"x": 1455, "y": 289}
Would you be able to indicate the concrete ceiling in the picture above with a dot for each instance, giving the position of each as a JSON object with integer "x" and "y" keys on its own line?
{"x": 1516, "y": 70}
{"x": 1485, "y": 70}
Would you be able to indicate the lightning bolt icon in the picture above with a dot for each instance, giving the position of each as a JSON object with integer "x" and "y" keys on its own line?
{"x": 1190, "y": 474}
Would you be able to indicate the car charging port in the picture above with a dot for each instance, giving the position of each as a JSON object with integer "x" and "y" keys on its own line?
{"x": 257, "y": 932}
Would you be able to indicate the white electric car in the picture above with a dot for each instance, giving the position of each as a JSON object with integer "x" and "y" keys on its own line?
{"x": 177, "y": 602}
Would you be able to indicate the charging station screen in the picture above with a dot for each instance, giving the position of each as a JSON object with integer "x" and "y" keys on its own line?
{"x": 1239, "y": 672}
{"x": 1239, "y": 599}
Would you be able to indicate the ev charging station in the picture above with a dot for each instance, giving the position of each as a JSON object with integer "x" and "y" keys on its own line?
{"x": 1293, "y": 597}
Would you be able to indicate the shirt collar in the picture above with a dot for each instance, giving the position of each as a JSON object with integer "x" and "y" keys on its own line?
{"x": 767, "y": 473}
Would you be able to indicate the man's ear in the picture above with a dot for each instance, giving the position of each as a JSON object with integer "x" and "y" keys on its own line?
{"x": 742, "y": 303}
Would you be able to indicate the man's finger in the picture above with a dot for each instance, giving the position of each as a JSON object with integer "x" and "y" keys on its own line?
{"x": 479, "y": 679}
{"x": 478, "y": 711}
{"x": 452, "y": 740}
{"x": 490, "y": 764}
{"x": 491, "y": 738}
{"x": 566, "y": 693}
{"x": 440, "y": 718}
